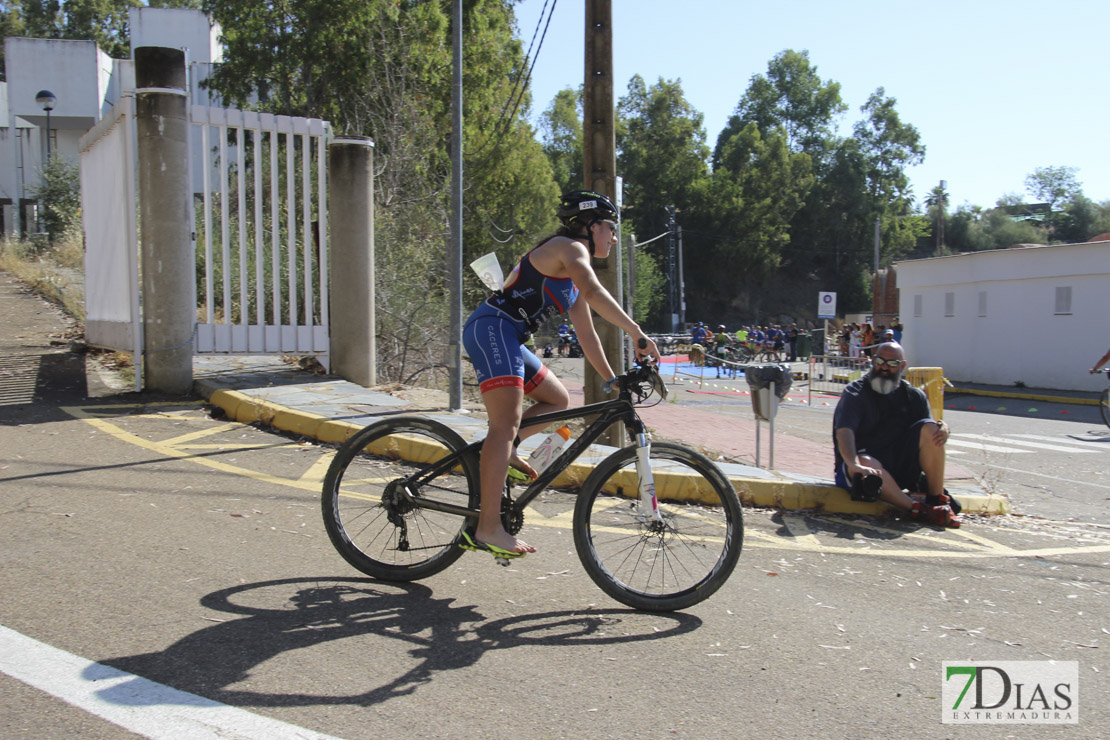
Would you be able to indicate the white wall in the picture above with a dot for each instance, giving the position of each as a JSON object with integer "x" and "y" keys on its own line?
{"x": 87, "y": 83}
{"x": 176, "y": 28}
{"x": 1019, "y": 336}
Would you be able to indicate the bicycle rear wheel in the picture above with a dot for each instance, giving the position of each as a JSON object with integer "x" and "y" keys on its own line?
{"x": 373, "y": 524}
{"x": 1104, "y": 406}
{"x": 659, "y": 566}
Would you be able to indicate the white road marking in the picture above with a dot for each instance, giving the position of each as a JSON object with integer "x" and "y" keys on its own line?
{"x": 1042, "y": 475}
{"x": 1024, "y": 443}
{"x": 144, "y": 707}
{"x": 953, "y": 442}
{"x": 1088, "y": 442}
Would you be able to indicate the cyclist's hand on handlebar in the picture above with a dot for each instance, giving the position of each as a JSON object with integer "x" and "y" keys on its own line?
{"x": 645, "y": 347}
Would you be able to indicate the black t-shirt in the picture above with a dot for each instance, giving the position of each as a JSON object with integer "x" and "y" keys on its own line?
{"x": 879, "y": 422}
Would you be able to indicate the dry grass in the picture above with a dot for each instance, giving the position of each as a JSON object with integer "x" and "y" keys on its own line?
{"x": 49, "y": 271}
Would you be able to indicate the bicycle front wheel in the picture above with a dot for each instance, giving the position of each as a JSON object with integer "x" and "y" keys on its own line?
{"x": 374, "y": 495}
{"x": 659, "y": 565}
{"x": 1104, "y": 406}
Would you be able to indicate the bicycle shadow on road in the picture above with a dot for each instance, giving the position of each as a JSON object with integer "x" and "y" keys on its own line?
{"x": 299, "y": 613}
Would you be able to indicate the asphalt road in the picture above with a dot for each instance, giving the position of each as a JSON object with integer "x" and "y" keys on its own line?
{"x": 189, "y": 551}
{"x": 166, "y": 574}
{"x": 1049, "y": 458}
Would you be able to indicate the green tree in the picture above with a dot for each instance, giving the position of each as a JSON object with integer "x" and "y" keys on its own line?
{"x": 561, "y": 131}
{"x": 757, "y": 188}
{"x": 661, "y": 153}
{"x": 937, "y": 203}
{"x": 1081, "y": 219}
{"x": 1054, "y": 185}
{"x": 888, "y": 147}
{"x": 648, "y": 299}
{"x": 791, "y": 96}
{"x": 59, "y": 191}
{"x": 383, "y": 69}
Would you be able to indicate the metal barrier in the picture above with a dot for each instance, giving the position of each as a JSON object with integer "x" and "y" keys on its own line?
{"x": 830, "y": 374}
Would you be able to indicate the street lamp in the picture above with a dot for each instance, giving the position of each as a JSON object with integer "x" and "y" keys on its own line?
{"x": 46, "y": 99}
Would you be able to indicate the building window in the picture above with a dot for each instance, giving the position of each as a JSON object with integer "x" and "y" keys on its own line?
{"x": 982, "y": 303}
{"x": 1063, "y": 301}
{"x": 917, "y": 306}
{"x": 949, "y": 304}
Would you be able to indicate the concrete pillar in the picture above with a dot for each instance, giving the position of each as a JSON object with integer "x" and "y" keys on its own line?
{"x": 351, "y": 268}
{"x": 166, "y": 245}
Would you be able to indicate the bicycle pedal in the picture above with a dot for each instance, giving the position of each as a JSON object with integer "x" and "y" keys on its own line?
{"x": 504, "y": 562}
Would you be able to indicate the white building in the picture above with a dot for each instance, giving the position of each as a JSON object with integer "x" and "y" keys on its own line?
{"x": 1034, "y": 315}
{"x": 86, "y": 83}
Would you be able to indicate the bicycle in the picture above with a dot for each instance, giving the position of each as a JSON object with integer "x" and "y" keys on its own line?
{"x": 656, "y": 526}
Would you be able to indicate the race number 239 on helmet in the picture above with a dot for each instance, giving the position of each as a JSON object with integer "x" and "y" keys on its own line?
{"x": 586, "y": 207}
{"x": 581, "y": 209}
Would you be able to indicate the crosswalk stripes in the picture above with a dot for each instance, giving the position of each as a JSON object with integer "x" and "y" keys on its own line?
{"x": 1027, "y": 443}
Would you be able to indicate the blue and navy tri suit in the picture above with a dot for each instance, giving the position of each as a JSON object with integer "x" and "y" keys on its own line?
{"x": 495, "y": 333}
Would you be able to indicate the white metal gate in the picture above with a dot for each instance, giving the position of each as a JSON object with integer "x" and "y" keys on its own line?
{"x": 262, "y": 234}
{"x": 261, "y": 231}
{"x": 108, "y": 206}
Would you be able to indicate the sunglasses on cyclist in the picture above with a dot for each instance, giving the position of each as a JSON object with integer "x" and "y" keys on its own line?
{"x": 611, "y": 224}
{"x": 880, "y": 362}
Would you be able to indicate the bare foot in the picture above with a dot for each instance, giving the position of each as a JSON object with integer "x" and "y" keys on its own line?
{"x": 516, "y": 462}
{"x": 504, "y": 540}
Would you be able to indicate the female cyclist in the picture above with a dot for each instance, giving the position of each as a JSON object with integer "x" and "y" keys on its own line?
{"x": 552, "y": 279}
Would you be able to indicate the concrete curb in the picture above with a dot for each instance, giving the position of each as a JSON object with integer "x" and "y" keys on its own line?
{"x": 1023, "y": 396}
{"x": 779, "y": 493}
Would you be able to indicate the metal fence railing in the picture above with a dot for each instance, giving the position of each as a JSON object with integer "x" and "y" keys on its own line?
{"x": 830, "y": 374}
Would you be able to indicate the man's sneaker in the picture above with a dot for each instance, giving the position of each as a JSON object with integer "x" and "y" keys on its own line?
{"x": 940, "y": 515}
{"x": 945, "y": 499}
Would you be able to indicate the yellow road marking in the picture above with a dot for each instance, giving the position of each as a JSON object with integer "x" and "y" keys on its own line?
{"x": 989, "y": 544}
{"x": 972, "y": 546}
{"x": 201, "y": 434}
{"x": 170, "y": 451}
{"x": 317, "y": 470}
{"x": 799, "y": 530}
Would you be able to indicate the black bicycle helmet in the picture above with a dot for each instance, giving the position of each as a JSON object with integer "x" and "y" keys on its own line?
{"x": 586, "y": 208}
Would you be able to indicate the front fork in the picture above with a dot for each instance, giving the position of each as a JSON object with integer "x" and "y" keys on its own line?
{"x": 649, "y": 503}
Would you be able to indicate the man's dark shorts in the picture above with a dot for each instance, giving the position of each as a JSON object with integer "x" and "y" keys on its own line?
{"x": 901, "y": 458}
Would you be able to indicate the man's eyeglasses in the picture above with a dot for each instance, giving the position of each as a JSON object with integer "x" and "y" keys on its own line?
{"x": 880, "y": 362}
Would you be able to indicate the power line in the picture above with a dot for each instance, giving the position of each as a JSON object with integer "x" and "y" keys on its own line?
{"x": 523, "y": 80}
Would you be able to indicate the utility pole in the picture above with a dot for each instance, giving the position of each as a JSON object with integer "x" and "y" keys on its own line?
{"x": 942, "y": 201}
{"x": 600, "y": 175}
{"x": 681, "y": 285}
{"x": 878, "y": 240}
{"x": 455, "y": 245}
{"x": 672, "y": 271}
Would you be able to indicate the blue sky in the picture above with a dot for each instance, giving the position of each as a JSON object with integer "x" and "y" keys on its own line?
{"x": 996, "y": 89}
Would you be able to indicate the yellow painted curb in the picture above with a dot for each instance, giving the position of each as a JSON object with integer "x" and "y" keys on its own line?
{"x": 827, "y": 497}
{"x": 1025, "y": 396}
{"x": 670, "y": 485}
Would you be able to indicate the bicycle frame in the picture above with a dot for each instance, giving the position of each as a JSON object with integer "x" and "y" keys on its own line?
{"x": 620, "y": 409}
